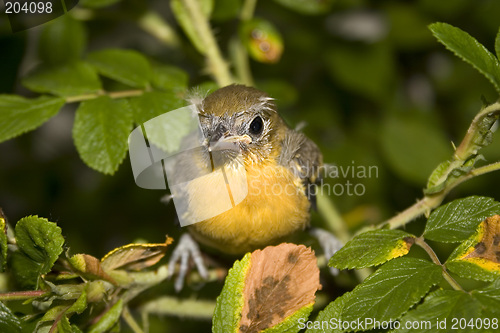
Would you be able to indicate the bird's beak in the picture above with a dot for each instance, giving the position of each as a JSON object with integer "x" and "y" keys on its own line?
{"x": 229, "y": 142}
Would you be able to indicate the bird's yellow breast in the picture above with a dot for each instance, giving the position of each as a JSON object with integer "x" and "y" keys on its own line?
{"x": 274, "y": 208}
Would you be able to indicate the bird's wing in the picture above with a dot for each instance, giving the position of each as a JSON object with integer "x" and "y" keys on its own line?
{"x": 303, "y": 158}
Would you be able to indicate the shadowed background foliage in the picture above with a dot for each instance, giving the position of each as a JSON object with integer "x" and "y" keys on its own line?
{"x": 367, "y": 79}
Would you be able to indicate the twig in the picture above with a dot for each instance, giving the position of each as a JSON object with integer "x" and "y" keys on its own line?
{"x": 129, "y": 319}
{"x": 454, "y": 284}
{"x": 216, "y": 63}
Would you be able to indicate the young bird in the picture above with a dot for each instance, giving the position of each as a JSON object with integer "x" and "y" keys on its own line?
{"x": 281, "y": 167}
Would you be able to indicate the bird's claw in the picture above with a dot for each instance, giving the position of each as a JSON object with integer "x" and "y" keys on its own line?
{"x": 187, "y": 248}
{"x": 329, "y": 243}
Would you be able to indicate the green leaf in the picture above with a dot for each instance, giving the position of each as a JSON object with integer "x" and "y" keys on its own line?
{"x": 230, "y": 303}
{"x": 97, "y": 3}
{"x": 77, "y": 78}
{"x": 184, "y": 18}
{"x": 125, "y": 66}
{"x": 152, "y": 104}
{"x": 448, "y": 172}
{"x": 310, "y": 7}
{"x": 469, "y": 49}
{"x": 63, "y": 325}
{"x": 80, "y": 304}
{"x": 331, "y": 314}
{"x": 3, "y": 242}
{"x": 9, "y": 323}
{"x": 100, "y": 131}
{"x": 372, "y": 248}
{"x": 439, "y": 308}
{"x": 170, "y": 78}
{"x": 62, "y": 40}
{"x": 109, "y": 319}
{"x": 19, "y": 115}
{"x": 391, "y": 290}
{"x": 478, "y": 257}
{"x": 457, "y": 220}
{"x": 489, "y": 296}
{"x": 40, "y": 242}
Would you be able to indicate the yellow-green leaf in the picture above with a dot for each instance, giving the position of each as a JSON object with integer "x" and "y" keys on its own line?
{"x": 479, "y": 256}
{"x": 372, "y": 248}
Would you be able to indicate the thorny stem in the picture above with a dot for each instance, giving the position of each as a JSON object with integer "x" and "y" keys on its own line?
{"x": 239, "y": 52}
{"x": 462, "y": 153}
{"x": 216, "y": 63}
{"x": 420, "y": 242}
{"x": 112, "y": 94}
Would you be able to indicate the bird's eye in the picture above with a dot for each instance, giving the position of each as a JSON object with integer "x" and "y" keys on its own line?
{"x": 256, "y": 126}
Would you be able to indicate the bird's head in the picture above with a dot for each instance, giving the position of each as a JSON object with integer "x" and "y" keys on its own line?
{"x": 242, "y": 117}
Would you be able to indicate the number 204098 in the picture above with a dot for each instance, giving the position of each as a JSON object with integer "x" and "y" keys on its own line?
{"x": 28, "y": 7}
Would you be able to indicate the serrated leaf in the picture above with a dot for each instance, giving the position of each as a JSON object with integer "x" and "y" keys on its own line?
{"x": 40, "y": 241}
{"x": 135, "y": 256}
{"x": 80, "y": 304}
{"x": 169, "y": 78}
{"x": 230, "y": 303}
{"x": 489, "y": 296}
{"x": 441, "y": 307}
{"x": 76, "y": 78}
{"x": 3, "y": 241}
{"x": 331, "y": 314}
{"x": 63, "y": 325}
{"x": 9, "y": 323}
{"x": 19, "y": 114}
{"x": 62, "y": 40}
{"x": 185, "y": 21}
{"x": 269, "y": 290}
{"x": 108, "y": 320}
{"x": 479, "y": 256}
{"x": 152, "y": 104}
{"x": 311, "y": 7}
{"x": 469, "y": 49}
{"x": 101, "y": 130}
{"x": 125, "y": 66}
{"x": 262, "y": 40}
{"x": 390, "y": 291}
{"x": 457, "y": 220}
{"x": 372, "y": 248}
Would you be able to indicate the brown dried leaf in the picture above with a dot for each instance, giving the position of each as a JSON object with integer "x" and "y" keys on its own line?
{"x": 487, "y": 250}
{"x": 281, "y": 280}
{"x": 135, "y": 256}
{"x": 90, "y": 267}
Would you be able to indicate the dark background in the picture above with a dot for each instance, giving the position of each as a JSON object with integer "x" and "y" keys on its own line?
{"x": 388, "y": 96}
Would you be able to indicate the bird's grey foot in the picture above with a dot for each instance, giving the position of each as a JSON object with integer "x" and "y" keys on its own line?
{"x": 186, "y": 248}
{"x": 329, "y": 243}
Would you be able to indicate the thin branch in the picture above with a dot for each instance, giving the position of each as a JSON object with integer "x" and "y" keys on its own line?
{"x": 129, "y": 319}
{"x": 216, "y": 63}
{"x": 454, "y": 284}
{"x": 112, "y": 94}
